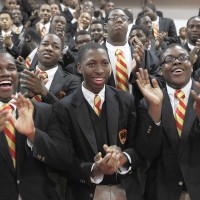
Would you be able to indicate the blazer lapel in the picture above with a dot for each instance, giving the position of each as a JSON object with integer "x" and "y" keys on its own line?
{"x": 112, "y": 110}
{"x": 5, "y": 153}
{"x": 168, "y": 121}
{"x": 83, "y": 118}
{"x": 58, "y": 81}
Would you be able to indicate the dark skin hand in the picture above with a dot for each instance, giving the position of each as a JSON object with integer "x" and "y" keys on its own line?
{"x": 34, "y": 83}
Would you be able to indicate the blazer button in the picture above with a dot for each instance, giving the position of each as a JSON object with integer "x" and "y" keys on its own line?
{"x": 18, "y": 182}
{"x": 91, "y": 195}
{"x": 180, "y": 183}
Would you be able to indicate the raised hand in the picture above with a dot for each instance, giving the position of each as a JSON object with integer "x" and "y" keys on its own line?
{"x": 24, "y": 124}
{"x": 152, "y": 93}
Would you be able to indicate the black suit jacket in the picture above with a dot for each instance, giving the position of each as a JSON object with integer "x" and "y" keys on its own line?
{"x": 75, "y": 119}
{"x": 14, "y": 51}
{"x": 62, "y": 85}
{"x": 167, "y": 25}
{"x": 30, "y": 177}
{"x": 176, "y": 165}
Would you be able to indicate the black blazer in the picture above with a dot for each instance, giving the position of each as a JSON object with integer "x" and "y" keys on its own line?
{"x": 176, "y": 165}
{"x": 62, "y": 85}
{"x": 30, "y": 178}
{"x": 167, "y": 25}
{"x": 75, "y": 119}
{"x": 14, "y": 51}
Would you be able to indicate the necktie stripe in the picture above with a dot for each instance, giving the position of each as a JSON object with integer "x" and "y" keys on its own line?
{"x": 9, "y": 131}
{"x": 28, "y": 62}
{"x": 121, "y": 71}
{"x": 180, "y": 111}
{"x": 97, "y": 105}
{"x": 121, "y": 81}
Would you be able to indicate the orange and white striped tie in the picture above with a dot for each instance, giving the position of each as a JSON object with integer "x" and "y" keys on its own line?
{"x": 121, "y": 72}
{"x": 155, "y": 30}
{"x": 9, "y": 132}
{"x": 43, "y": 31}
{"x": 97, "y": 105}
{"x": 28, "y": 62}
{"x": 180, "y": 110}
{"x": 42, "y": 75}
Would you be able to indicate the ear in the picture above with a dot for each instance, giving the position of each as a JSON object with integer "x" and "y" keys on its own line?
{"x": 61, "y": 55}
{"x": 79, "y": 68}
{"x": 28, "y": 38}
{"x": 160, "y": 71}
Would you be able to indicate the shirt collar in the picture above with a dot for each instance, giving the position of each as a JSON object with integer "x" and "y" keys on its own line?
{"x": 89, "y": 96}
{"x": 191, "y": 47}
{"x": 185, "y": 89}
{"x": 50, "y": 72}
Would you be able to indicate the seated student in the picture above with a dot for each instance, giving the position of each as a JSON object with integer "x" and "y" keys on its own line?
{"x": 27, "y": 143}
{"x": 102, "y": 123}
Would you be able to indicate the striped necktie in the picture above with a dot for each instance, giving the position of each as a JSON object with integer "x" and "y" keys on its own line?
{"x": 97, "y": 105}
{"x": 42, "y": 75}
{"x": 180, "y": 110}
{"x": 155, "y": 30}
{"x": 28, "y": 62}
{"x": 121, "y": 72}
{"x": 43, "y": 31}
{"x": 9, "y": 132}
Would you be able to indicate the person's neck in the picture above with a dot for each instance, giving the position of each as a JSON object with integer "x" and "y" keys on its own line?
{"x": 7, "y": 30}
{"x": 43, "y": 68}
{"x": 121, "y": 42}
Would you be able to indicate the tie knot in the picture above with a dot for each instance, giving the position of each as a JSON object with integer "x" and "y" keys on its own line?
{"x": 118, "y": 52}
{"x": 97, "y": 99}
{"x": 179, "y": 94}
{"x": 43, "y": 75}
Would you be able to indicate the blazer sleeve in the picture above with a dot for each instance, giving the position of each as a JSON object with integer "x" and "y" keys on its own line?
{"x": 51, "y": 146}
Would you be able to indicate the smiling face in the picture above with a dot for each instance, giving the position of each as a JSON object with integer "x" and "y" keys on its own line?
{"x": 49, "y": 51}
{"x": 8, "y": 77}
{"x": 84, "y": 20}
{"x": 95, "y": 68}
{"x": 45, "y": 13}
{"x": 176, "y": 74}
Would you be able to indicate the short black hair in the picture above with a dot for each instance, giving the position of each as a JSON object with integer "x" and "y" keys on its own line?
{"x": 33, "y": 33}
{"x": 169, "y": 47}
{"x": 87, "y": 47}
{"x": 191, "y": 19}
{"x": 81, "y": 32}
{"x": 106, "y": 18}
{"x": 151, "y": 6}
{"x": 138, "y": 20}
{"x": 129, "y": 15}
{"x": 6, "y": 12}
{"x": 97, "y": 21}
{"x": 141, "y": 27}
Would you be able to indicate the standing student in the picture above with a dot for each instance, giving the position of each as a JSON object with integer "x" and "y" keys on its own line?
{"x": 30, "y": 139}
{"x": 175, "y": 167}
{"x": 102, "y": 123}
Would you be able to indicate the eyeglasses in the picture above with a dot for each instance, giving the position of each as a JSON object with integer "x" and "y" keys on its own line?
{"x": 115, "y": 18}
{"x": 171, "y": 59}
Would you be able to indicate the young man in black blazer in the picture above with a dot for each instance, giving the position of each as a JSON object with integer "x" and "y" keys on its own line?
{"x": 105, "y": 156}
{"x": 37, "y": 141}
{"x": 174, "y": 152}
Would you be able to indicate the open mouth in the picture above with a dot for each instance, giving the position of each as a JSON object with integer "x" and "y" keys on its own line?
{"x": 178, "y": 71}
{"x": 5, "y": 85}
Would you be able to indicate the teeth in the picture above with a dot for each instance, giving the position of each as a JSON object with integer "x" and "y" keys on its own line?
{"x": 99, "y": 79}
{"x": 5, "y": 82}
